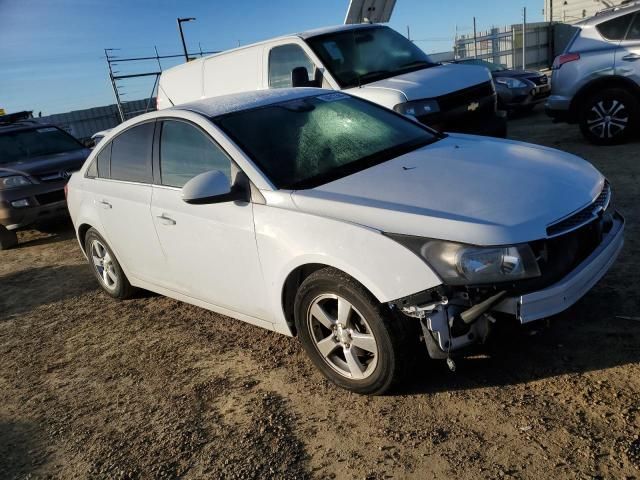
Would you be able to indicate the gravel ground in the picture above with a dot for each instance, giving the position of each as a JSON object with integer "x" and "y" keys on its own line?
{"x": 154, "y": 388}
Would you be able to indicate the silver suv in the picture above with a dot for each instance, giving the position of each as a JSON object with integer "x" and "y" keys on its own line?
{"x": 596, "y": 81}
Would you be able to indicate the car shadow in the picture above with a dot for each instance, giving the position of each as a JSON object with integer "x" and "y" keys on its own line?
{"x": 52, "y": 284}
{"x": 46, "y": 233}
{"x": 20, "y": 453}
{"x": 581, "y": 340}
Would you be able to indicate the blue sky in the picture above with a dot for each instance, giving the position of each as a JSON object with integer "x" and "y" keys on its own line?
{"x": 51, "y": 51}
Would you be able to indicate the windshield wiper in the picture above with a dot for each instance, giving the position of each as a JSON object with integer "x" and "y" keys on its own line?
{"x": 418, "y": 63}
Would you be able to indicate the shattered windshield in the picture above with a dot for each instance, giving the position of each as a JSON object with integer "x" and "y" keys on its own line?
{"x": 309, "y": 141}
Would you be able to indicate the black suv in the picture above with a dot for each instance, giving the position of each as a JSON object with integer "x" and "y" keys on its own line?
{"x": 36, "y": 160}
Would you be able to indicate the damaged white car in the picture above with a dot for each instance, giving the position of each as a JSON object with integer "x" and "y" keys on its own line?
{"x": 321, "y": 215}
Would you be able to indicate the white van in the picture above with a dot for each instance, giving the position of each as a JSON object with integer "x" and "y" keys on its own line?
{"x": 373, "y": 62}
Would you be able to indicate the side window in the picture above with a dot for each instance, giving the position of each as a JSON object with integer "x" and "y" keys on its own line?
{"x": 131, "y": 154}
{"x": 634, "y": 31}
{"x": 103, "y": 162}
{"x": 92, "y": 171}
{"x": 282, "y": 60}
{"x": 186, "y": 151}
{"x": 616, "y": 28}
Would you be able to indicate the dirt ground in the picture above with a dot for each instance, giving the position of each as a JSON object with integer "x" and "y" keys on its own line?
{"x": 154, "y": 388}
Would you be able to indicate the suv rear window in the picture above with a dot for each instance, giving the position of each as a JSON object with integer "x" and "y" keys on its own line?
{"x": 22, "y": 145}
{"x": 616, "y": 28}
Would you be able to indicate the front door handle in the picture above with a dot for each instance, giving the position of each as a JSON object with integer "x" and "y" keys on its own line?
{"x": 164, "y": 220}
{"x": 106, "y": 205}
{"x": 632, "y": 57}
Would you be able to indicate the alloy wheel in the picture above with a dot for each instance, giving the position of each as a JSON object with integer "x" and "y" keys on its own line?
{"x": 608, "y": 119}
{"x": 342, "y": 336}
{"x": 104, "y": 265}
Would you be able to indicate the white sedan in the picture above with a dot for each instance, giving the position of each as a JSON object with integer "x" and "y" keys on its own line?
{"x": 363, "y": 232}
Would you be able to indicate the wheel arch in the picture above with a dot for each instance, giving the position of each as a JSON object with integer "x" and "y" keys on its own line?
{"x": 82, "y": 235}
{"x": 598, "y": 84}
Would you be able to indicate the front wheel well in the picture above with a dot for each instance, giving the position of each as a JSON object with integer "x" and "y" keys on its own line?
{"x": 599, "y": 85}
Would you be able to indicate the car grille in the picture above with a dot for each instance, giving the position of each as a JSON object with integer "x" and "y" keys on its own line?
{"x": 53, "y": 176}
{"x": 51, "y": 197}
{"x": 583, "y": 216}
{"x": 466, "y": 96}
{"x": 542, "y": 80}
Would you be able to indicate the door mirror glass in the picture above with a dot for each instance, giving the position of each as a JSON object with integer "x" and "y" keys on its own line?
{"x": 208, "y": 187}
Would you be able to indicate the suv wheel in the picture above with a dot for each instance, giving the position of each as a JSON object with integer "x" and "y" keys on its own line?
{"x": 8, "y": 238}
{"x": 105, "y": 266}
{"x": 608, "y": 117}
{"x": 349, "y": 336}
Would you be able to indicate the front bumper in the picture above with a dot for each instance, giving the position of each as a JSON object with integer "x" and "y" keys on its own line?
{"x": 563, "y": 294}
{"x": 522, "y": 97}
{"x": 46, "y": 201}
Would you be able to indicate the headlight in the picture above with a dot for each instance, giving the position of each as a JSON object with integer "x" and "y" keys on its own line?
{"x": 460, "y": 264}
{"x": 418, "y": 108}
{"x": 511, "y": 82}
{"x": 13, "y": 181}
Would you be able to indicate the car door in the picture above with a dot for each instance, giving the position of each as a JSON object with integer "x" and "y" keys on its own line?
{"x": 210, "y": 250}
{"x": 628, "y": 55}
{"x": 122, "y": 194}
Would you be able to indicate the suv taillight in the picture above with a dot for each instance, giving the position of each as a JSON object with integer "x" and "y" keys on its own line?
{"x": 564, "y": 58}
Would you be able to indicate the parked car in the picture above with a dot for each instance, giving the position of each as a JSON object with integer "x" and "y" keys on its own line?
{"x": 516, "y": 89}
{"x": 596, "y": 81}
{"x": 318, "y": 214}
{"x": 369, "y": 61}
{"x": 36, "y": 160}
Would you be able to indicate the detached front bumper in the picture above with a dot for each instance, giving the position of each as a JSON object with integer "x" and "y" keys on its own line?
{"x": 563, "y": 294}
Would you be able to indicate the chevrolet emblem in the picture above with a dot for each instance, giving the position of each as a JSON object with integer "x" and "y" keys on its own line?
{"x": 473, "y": 106}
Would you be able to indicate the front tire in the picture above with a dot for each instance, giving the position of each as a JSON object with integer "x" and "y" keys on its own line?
{"x": 609, "y": 117}
{"x": 350, "y": 337}
{"x": 8, "y": 238}
{"x": 105, "y": 266}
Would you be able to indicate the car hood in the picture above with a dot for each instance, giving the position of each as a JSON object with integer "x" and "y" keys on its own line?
{"x": 434, "y": 81}
{"x": 463, "y": 188}
{"x": 47, "y": 164}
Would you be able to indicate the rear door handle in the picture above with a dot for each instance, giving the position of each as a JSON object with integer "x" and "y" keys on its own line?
{"x": 106, "y": 205}
{"x": 632, "y": 57}
{"x": 164, "y": 220}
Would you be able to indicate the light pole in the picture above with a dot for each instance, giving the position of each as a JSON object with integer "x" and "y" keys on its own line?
{"x": 184, "y": 45}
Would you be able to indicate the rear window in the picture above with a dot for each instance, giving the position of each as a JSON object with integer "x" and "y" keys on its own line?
{"x": 616, "y": 28}
{"x": 23, "y": 145}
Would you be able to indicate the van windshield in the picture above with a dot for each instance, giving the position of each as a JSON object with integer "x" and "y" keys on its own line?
{"x": 310, "y": 141}
{"x": 358, "y": 57}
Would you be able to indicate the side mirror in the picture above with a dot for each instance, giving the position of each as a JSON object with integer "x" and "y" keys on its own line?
{"x": 211, "y": 187}
{"x": 300, "y": 77}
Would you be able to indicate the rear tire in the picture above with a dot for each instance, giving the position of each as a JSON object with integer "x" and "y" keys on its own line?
{"x": 8, "y": 238}
{"x": 105, "y": 266}
{"x": 350, "y": 337}
{"x": 609, "y": 117}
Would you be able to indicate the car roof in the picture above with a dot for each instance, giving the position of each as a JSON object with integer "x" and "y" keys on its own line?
{"x": 609, "y": 13}
{"x": 235, "y": 102}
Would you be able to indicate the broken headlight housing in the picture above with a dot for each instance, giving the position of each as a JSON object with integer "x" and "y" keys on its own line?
{"x": 461, "y": 264}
